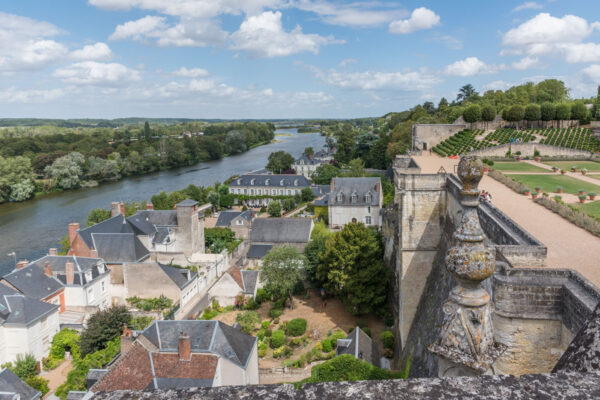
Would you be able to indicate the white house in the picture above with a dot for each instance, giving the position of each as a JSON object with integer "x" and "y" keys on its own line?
{"x": 263, "y": 187}
{"x": 232, "y": 283}
{"x": 355, "y": 200}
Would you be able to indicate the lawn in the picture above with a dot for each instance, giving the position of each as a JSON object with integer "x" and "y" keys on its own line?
{"x": 548, "y": 183}
{"x": 592, "y": 209}
{"x": 566, "y": 165}
{"x": 517, "y": 167}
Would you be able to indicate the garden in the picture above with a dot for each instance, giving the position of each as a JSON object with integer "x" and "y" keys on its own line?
{"x": 510, "y": 166}
{"x": 551, "y": 183}
{"x": 591, "y": 166}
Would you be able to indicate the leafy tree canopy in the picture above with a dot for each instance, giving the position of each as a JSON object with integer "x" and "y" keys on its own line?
{"x": 282, "y": 269}
{"x": 279, "y": 161}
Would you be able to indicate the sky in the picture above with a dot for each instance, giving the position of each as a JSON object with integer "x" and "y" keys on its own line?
{"x": 277, "y": 59}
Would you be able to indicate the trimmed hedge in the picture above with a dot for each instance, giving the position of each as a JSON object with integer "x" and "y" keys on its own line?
{"x": 277, "y": 339}
{"x": 296, "y": 327}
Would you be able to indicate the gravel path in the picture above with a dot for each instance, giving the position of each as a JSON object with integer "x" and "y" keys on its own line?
{"x": 568, "y": 245}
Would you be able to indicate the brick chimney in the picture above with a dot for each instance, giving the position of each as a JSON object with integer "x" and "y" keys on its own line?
{"x": 331, "y": 184}
{"x": 185, "y": 347}
{"x": 149, "y": 206}
{"x": 252, "y": 212}
{"x": 115, "y": 209}
{"x": 122, "y": 208}
{"x": 52, "y": 252}
{"x": 21, "y": 264}
{"x": 377, "y": 187}
{"x": 126, "y": 340}
{"x": 70, "y": 272}
{"x": 47, "y": 269}
{"x": 93, "y": 253}
{"x": 73, "y": 228}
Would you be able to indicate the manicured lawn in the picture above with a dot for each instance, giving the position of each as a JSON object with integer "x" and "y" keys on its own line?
{"x": 592, "y": 208}
{"x": 517, "y": 167}
{"x": 566, "y": 165}
{"x": 548, "y": 183}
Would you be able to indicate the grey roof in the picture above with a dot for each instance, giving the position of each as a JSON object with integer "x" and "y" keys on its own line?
{"x": 160, "y": 217}
{"x": 225, "y": 217}
{"x": 306, "y": 160}
{"x": 271, "y": 180}
{"x": 258, "y": 250}
{"x": 76, "y": 395}
{"x": 205, "y": 336}
{"x": 178, "y": 383}
{"x": 82, "y": 265}
{"x": 320, "y": 190}
{"x": 119, "y": 247}
{"x": 322, "y": 154}
{"x": 360, "y": 345}
{"x": 187, "y": 203}
{"x": 179, "y": 276}
{"x": 33, "y": 282}
{"x": 323, "y": 202}
{"x": 359, "y": 187}
{"x": 162, "y": 235}
{"x": 17, "y": 309}
{"x": 116, "y": 224}
{"x": 583, "y": 352}
{"x": 12, "y": 387}
{"x": 250, "y": 279}
{"x": 281, "y": 230}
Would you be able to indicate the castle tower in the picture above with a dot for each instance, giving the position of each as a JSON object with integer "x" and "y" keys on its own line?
{"x": 465, "y": 345}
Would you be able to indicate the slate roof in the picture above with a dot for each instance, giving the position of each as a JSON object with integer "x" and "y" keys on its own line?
{"x": 33, "y": 282}
{"x": 83, "y": 265}
{"x": 258, "y": 250}
{"x": 187, "y": 203}
{"x": 179, "y": 276}
{"x": 206, "y": 337}
{"x": 17, "y": 309}
{"x": 225, "y": 217}
{"x": 320, "y": 190}
{"x": 281, "y": 230}
{"x": 323, "y": 202}
{"x": 271, "y": 180}
{"x": 116, "y": 224}
{"x": 250, "y": 279}
{"x": 119, "y": 247}
{"x": 159, "y": 217}
{"x": 360, "y": 187}
{"x": 12, "y": 387}
{"x": 306, "y": 160}
{"x": 360, "y": 345}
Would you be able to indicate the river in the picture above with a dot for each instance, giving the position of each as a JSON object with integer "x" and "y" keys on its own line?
{"x": 32, "y": 227}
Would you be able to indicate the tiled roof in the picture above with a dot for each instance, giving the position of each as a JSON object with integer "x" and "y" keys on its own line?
{"x": 12, "y": 387}
{"x": 271, "y": 181}
{"x": 119, "y": 247}
{"x": 258, "y": 250}
{"x": 33, "y": 282}
{"x": 82, "y": 266}
{"x": 17, "y": 309}
{"x": 116, "y": 224}
{"x": 358, "y": 187}
{"x": 281, "y": 230}
{"x": 236, "y": 274}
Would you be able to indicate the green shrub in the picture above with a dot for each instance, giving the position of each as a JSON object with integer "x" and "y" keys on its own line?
{"x": 367, "y": 330}
{"x": 251, "y": 304}
{"x": 265, "y": 324}
{"x": 268, "y": 332}
{"x": 275, "y": 312}
{"x": 248, "y": 320}
{"x": 276, "y": 321}
{"x": 296, "y": 327}
{"x": 153, "y": 304}
{"x": 140, "y": 323}
{"x": 262, "y": 349}
{"x": 38, "y": 383}
{"x": 388, "y": 339}
{"x": 278, "y": 352}
{"x": 338, "y": 334}
{"x": 327, "y": 346}
{"x": 262, "y": 295}
{"x": 346, "y": 368}
{"x": 277, "y": 339}
{"x": 260, "y": 334}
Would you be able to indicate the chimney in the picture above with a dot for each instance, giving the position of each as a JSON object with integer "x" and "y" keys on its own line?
{"x": 70, "y": 272}
{"x": 52, "y": 252}
{"x": 185, "y": 349}
{"x": 377, "y": 187}
{"x": 252, "y": 213}
{"x": 47, "y": 269}
{"x": 126, "y": 340}
{"x": 21, "y": 264}
{"x": 122, "y": 208}
{"x": 73, "y": 228}
{"x": 149, "y": 206}
{"x": 331, "y": 184}
{"x": 115, "y": 209}
{"x": 93, "y": 253}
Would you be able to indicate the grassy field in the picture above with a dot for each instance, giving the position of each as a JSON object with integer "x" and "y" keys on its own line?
{"x": 592, "y": 209}
{"x": 566, "y": 165}
{"x": 548, "y": 183}
{"x": 517, "y": 167}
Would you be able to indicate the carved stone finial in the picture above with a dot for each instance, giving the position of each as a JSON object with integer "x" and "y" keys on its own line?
{"x": 467, "y": 335}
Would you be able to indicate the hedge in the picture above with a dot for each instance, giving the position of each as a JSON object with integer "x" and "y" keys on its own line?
{"x": 277, "y": 339}
{"x": 296, "y": 327}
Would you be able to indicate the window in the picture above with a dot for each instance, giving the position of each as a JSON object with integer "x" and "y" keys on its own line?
{"x": 244, "y": 191}
{"x": 296, "y": 182}
{"x": 239, "y": 222}
{"x": 368, "y": 197}
{"x": 239, "y": 181}
{"x": 267, "y": 182}
{"x": 367, "y": 220}
{"x": 369, "y": 209}
{"x": 340, "y": 197}
{"x": 90, "y": 295}
{"x": 258, "y": 191}
{"x": 251, "y": 192}
{"x": 44, "y": 322}
{"x": 281, "y": 182}
{"x": 281, "y": 192}
{"x": 103, "y": 286}
{"x": 354, "y": 198}
{"x": 252, "y": 182}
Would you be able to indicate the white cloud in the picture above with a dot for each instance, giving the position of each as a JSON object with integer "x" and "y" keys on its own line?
{"x": 24, "y": 43}
{"x": 450, "y": 41}
{"x": 545, "y": 35}
{"x": 96, "y": 73}
{"x": 190, "y": 8}
{"x": 353, "y": 14}
{"x": 498, "y": 85}
{"x": 421, "y": 18}
{"x": 263, "y": 36}
{"x": 526, "y": 63}
{"x": 191, "y": 73}
{"x": 377, "y": 80}
{"x": 348, "y": 61}
{"x": 471, "y": 66}
{"x": 138, "y": 29}
{"x": 19, "y": 95}
{"x": 592, "y": 74}
{"x": 528, "y": 5}
{"x": 93, "y": 52}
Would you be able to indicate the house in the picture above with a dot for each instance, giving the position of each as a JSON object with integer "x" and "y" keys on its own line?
{"x": 240, "y": 222}
{"x": 306, "y": 165}
{"x": 255, "y": 254}
{"x": 265, "y": 186}
{"x": 232, "y": 283}
{"x": 281, "y": 232}
{"x": 26, "y": 325}
{"x": 152, "y": 280}
{"x": 13, "y": 388}
{"x": 355, "y": 200}
{"x": 182, "y": 354}
{"x": 360, "y": 345}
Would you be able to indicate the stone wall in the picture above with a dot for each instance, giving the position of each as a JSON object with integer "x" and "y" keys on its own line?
{"x": 528, "y": 149}
{"x": 425, "y": 136}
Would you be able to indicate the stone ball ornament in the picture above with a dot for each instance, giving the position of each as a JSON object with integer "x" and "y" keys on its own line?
{"x": 470, "y": 172}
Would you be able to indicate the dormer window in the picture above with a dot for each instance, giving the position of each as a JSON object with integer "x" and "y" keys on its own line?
{"x": 239, "y": 181}
{"x": 267, "y": 182}
{"x": 296, "y": 182}
{"x": 252, "y": 182}
{"x": 88, "y": 275}
{"x": 368, "y": 197}
{"x": 354, "y": 198}
{"x": 340, "y": 197}
{"x": 281, "y": 182}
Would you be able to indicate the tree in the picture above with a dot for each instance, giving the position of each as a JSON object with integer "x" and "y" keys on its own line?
{"x": 324, "y": 174}
{"x": 25, "y": 367}
{"x": 346, "y": 367}
{"x": 466, "y": 92}
{"x": 235, "y": 142}
{"x": 563, "y": 112}
{"x": 551, "y": 90}
{"x": 289, "y": 204}
{"x": 16, "y": 179}
{"x": 472, "y": 113}
{"x": 346, "y": 143}
{"x": 282, "y": 269}
{"x": 308, "y": 151}
{"x": 97, "y": 215}
{"x": 352, "y": 268}
{"x": 429, "y": 107}
{"x": 64, "y": 245}
{"x": 579, "y": 111}
{"x": 307, "y": 194}
{"x": 102, "y": 327}
{"x": 488, "y": 113}
{"x": 533, "y": 112}
{"x": 147, "y": 131}
{"x": 356, "y": 168}
{"x": 67, "y": 170}
{"x": 547, "y": 111}
{"x": 279, "y": 161}
{"x": 330, "y": 143}
{"x": 443, "y": 104}
{"x": 314, "y": 249}
{"x": 516, "y": 113}
{"x": 213, "y": 198}
{"x": 274, "y": 209}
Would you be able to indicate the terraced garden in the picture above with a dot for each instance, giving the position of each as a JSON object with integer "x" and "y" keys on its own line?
{"x": 517, "y": 167}
{"x": 467, "y": 140}
{"x": 549, "y": 183}
{"x": 591, "y": 166}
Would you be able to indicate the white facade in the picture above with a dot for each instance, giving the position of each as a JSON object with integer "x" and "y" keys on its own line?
{"x": 342, "y": 215}
{"x": 96, "y": 293}
{"x": 304, "y": 169}
{"x": 33, "y": 339}
{"x": 230, "y": 374}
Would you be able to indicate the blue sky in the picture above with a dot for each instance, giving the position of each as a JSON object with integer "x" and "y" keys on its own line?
{"x": 282, "y": 58}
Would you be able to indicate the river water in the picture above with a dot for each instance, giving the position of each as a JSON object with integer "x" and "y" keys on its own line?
{"x": 32, "y": 227}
